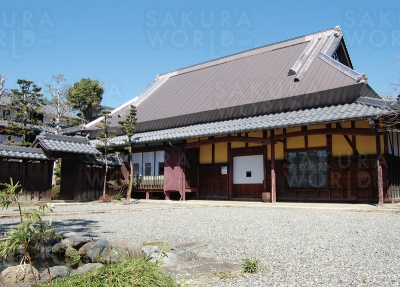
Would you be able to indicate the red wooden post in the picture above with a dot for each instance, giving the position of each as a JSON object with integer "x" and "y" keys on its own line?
{"x": 273, "y": 177}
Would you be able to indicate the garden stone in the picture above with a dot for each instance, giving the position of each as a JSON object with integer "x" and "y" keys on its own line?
{"x": 86, "y": 268}
{"x": 71, "y": 252}
{"x": 21, "y": 249}
{"x": 68, "y": 241}
{"x": 59, "y": 248}
{"x": 113, "y": 255}
{"x": 78, "y": 241}
{"x": 148, "y": 251}
{"x": 94, "y": 252}
{"x": 68, "y": 234}
{"x": 133, "y": 249}
{"x": 169, "y": 260}
{"x": 55, "y": 272}
{"x": 18, "y": 274}
{"x": 86, "y": 247}
{"x": 185, "y": 254}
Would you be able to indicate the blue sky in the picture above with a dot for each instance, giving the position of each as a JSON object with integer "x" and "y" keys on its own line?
{"x": 125, "y": 44}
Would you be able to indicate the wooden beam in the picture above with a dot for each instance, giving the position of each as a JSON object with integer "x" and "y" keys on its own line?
{"x": 337, "y": 131}
{"x": 349, "y": 141}
{"x": 228, "y": 139}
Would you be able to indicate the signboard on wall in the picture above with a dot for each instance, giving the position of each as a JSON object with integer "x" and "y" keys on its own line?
{"x": 224, "y": 169}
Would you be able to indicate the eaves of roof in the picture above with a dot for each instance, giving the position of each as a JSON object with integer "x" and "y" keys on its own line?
{"x": 67, "y": 144}
{"x": 23, "y": 153}
{"x": 361, "y": 109}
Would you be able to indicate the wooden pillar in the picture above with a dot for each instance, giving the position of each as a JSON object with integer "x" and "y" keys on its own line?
{"x": 183, "y": 177}
{"x": 273, "y": 177}
{"x": 379, "y": 168}
{"x": 230, "y": 171}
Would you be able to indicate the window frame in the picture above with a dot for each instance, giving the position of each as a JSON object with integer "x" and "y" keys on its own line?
{"x": 307, "y": 175}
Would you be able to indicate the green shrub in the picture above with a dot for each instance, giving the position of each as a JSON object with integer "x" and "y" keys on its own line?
{"x": 132, "y": 272}
{"x": 118, "y": 196}
{"x": 250, "y": 265}
{"x": 55, "y": 192}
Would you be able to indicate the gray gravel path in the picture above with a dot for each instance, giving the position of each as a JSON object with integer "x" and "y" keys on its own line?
{"x": 295, "y": 247}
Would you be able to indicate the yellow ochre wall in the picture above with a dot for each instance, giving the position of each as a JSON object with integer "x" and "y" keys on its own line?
{"x": 257, "y": 134}
{"x": 206, "y": 154}
{"x": 340, "y": 147}
{"x": 221, "y": 152}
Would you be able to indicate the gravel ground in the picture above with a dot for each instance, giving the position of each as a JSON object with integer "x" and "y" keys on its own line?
{"x": 295, "y": 247}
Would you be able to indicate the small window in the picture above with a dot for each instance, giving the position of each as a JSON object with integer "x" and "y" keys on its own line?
{"x": 307, "y": 169}
{"x": 248, "y": 173}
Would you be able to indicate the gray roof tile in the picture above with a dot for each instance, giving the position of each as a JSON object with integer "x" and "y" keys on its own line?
{"x": 357, "y": 110}
{"x": 60, "y": 143}
{"x": 23, "y": 153}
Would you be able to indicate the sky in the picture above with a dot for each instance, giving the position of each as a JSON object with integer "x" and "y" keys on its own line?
{"x": 124, "y": 44}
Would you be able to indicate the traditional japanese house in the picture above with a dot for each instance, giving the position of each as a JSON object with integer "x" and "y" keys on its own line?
{"x": 292, "y": 120}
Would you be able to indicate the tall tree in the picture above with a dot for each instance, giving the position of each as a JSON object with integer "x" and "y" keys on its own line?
{"x": 104, "y": 137}
{"x": 58, "y": 100}
{"x": 24, "y": 103}
{"x": 128, "y": 127}
{"x": 85, "y": 96}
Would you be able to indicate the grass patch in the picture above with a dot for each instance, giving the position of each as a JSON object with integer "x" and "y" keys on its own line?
{"x": 55, "y": 192}
{"x": 250, "y": 265}
{"x": 130, "y": 273}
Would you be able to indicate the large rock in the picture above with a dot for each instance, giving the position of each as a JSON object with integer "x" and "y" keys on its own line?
{"x": 134, "y": 250}
{"x": 71, "y": 252}
{"x": 78, "y": 241}
{"x": 94, "y": 252}
{"x": 166, "y": 260}
{"x": 19, "y": 274}
{"x": 149, "y": 250}
{"x": 86, "y": 247}
{"x": 59, "y": 248}
{"x": 185, "y": 254}
{"x": 55, "y": 272}
{"x": 67, "y": 234}
{"x": 86, "y": 268}
{"x": 113, "y": 255}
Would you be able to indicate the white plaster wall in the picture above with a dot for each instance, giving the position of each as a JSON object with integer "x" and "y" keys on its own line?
{"x": 242, "y": 164}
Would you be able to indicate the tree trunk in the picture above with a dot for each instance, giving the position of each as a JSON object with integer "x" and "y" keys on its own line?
{"x": 105, "y": 174}
{"x": 129, "y": 193}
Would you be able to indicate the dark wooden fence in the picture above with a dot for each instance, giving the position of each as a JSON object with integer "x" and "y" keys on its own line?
{"x": 393, "y": 192}
{"x": 35, "y": 178}
{"x": 80, "y": 181}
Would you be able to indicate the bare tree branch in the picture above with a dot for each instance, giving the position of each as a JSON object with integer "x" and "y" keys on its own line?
{"x": 58, "y": 100}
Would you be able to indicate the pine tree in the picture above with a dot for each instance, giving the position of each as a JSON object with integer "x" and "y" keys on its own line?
{"x": 128, "y": 127}
{"x": 24, "y": 103}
